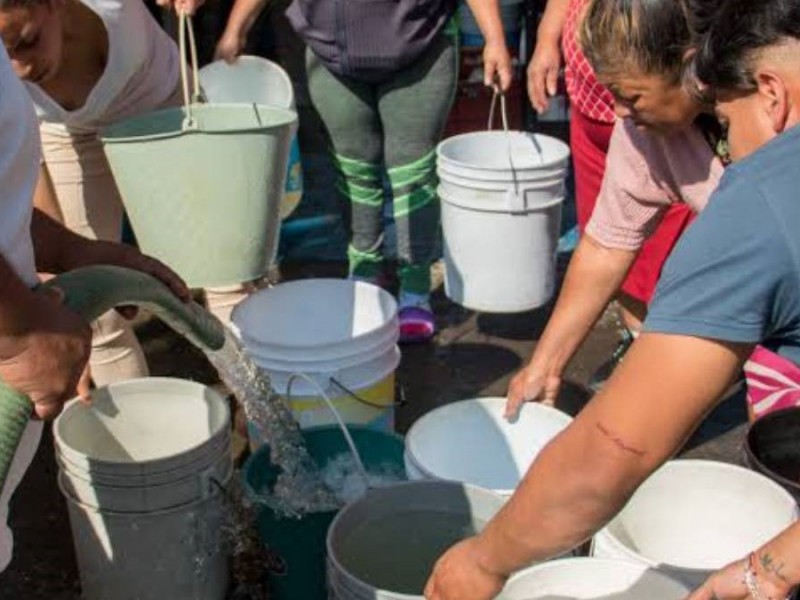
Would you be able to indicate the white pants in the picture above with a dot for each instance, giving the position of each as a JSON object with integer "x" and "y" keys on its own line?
{"x": 22, "y": 460}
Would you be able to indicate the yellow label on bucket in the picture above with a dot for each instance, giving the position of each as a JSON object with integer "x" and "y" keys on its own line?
{"x": 311, "y": 411}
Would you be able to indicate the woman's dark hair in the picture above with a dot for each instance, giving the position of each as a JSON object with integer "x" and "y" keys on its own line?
{"x": 741, "y": 29}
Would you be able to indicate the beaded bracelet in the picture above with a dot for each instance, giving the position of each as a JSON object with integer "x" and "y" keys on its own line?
{"x": 751, "y": 580}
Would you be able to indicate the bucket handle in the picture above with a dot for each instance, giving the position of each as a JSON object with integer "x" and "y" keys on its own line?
{"x": 184, "y": 27}
{"x": 323, "y": 394}
{"x": 514, "y": 199}
{"x": 342, "y": 387}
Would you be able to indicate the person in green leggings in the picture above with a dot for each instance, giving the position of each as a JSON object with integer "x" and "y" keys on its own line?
{"x": 382, "y": 76}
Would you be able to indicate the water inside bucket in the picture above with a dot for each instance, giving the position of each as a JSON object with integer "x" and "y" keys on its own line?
{"x": 397, "y": 552}
{"x": 342, "y": 476}
{"x": 300, "y": 489}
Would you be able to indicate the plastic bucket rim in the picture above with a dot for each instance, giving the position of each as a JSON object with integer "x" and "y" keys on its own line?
{"x": 89, "y": 468}
{"x": 261, "y": 61}
{"x": 222, "y": 428}
{"x": 256, "y": 347}
{"x": 219, "y": 495}
{"x": 109, "y": 137}
{"x": 221, "y": 459}
{"x": 632, "y": 565}
{"x": 686, "y": 463}
{"x": 382, "y": 294}
{"x": 447, "y": 198}
{"x": 65, "y": 477}
{"x": 752, "y": 431}
{"x": 460, "y": 137}
{"x": 410, "y": 437}
{"x": 326, "y": 368}
{"x": 345, "y": 575}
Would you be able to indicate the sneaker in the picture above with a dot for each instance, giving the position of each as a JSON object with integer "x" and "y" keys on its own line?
{"x": 604, "y": 371}
{"x": 417, "y": 324}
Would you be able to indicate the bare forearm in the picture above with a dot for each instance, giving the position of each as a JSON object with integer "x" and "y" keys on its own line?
{"x": 593, "y": 278}
{"x": 552, "y": 23}
{"x": 53, "y": 243}
{"x": 243, "y": 14}
{"x": 44, "y": 197}
{"x": 487, "y": 14}
{"x": 652, "y": 403}
{"x": 14, "y": 302}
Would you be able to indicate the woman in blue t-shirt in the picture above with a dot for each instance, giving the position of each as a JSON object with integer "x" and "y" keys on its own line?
{"x": 382, "y": 76}
{"x": 732, "y": 282}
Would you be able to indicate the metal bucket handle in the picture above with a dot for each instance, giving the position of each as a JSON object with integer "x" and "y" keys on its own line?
{"x": 184, "y": 27}
{"x": 516, "y": 201}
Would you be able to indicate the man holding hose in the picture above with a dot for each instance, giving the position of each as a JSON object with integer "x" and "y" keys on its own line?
{"x": 44, "y": 347}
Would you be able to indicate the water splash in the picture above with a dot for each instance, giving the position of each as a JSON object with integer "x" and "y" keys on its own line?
{"x": 299, "y": 489}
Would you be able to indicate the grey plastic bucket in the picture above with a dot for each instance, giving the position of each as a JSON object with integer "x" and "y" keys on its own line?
{"x": 176, "y": 553}
{"x": 352, "y": 524}
{"x": 501, "y": 195}
{"x": 592, "y": 579}
{"x": 143, "y": 469}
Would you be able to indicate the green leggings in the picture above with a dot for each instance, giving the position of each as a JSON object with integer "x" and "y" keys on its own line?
{"x": 395, "y": 126}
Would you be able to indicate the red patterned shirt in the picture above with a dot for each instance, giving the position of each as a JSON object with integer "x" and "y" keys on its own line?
{"x": 585, "y": 92}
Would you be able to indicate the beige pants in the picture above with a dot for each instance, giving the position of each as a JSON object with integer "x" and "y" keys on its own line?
{"x": 91, "y": 206}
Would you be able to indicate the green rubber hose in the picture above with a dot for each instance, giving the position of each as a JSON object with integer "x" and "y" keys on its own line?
{"x": 90, "y": 292}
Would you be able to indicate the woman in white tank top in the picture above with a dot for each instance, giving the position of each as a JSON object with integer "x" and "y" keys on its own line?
{"x": 88, "y": 64}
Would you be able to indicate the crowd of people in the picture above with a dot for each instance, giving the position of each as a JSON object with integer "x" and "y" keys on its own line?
{"x": 684, "y": 132}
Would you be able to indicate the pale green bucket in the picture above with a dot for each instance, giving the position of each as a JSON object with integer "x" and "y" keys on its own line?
{"x": 204, "y": 197}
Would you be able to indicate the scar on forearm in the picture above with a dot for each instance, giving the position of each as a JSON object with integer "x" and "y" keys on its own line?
{"x": 770, "y": 565}
{"x": 619, "y": 442}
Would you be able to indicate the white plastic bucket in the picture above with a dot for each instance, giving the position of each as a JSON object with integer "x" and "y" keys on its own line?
{"x": 471, "y": 441}
{"x": 143, "y": 468}
{"x": 252, "y": 79}
{"x": 342, "y": 334}
{"x": 501, "y": 198}
{"x": 692, "y": 517}
{"x": 358, "y": 531}
{"x": 592, "y": 579}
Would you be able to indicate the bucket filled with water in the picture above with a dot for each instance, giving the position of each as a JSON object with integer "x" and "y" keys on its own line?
{"x": 592, "y": 579}
{"x": 342, "y": 335}
{"x": 687, "y": 519}
{"x": 252, "y": 79}
{"x": 501, "y": 194}
{"x": 297, "y": 545}
{"x": 202, "y": 184}
{"x": 472, "y": 442}
{"x": 384, "y": 546}
{"x": 143, "y": 469}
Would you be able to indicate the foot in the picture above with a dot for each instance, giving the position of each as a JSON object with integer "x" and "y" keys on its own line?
{"x": 604, "y": 371}
{"x": 417, "y": 322}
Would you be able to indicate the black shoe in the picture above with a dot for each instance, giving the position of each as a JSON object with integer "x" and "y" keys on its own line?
{"x": 604, "y": 371}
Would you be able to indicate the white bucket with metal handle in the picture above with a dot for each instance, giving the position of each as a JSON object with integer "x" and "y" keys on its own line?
{"x": 340, "y": 333}
{"x": 501, "y": 198}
